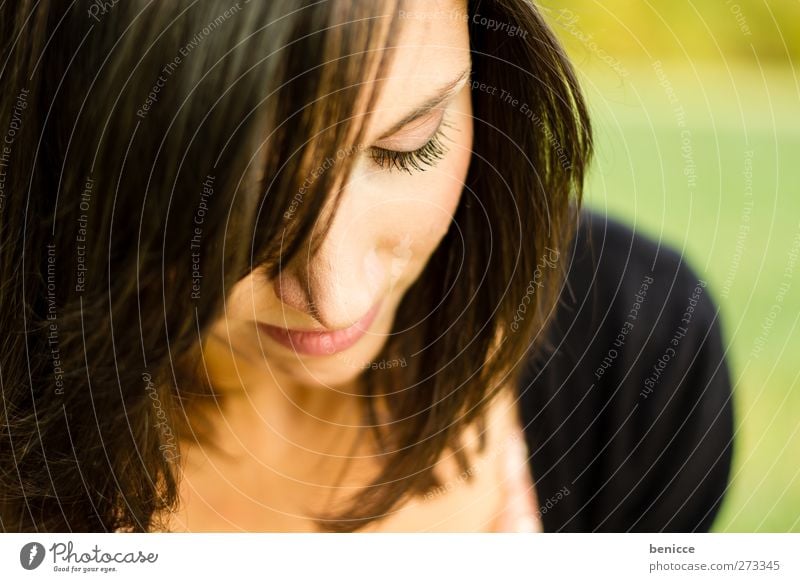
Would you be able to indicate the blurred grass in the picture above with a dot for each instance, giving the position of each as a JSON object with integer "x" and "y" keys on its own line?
{"x": 738, "y": 98}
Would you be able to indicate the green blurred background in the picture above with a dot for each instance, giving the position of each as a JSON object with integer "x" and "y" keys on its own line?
{"x": 696, "y": 106}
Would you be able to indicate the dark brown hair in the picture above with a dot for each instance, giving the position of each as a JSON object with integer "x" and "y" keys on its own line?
{"x": 125, "y": 124}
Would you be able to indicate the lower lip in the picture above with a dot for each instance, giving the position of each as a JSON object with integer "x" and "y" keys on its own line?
{"x": 321, "y": 343}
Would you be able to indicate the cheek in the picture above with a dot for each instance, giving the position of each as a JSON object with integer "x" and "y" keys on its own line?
{"x": 434, "y": 195}
{"x": 414, "y": 211}
{"x": 250, "y": 299}
{"x": 429, "y": 219}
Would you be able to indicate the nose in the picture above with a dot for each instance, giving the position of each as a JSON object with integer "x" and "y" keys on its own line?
{"x": 343, "y": 279}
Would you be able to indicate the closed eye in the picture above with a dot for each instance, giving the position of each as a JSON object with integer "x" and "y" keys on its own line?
{"x": 417, "y": 160}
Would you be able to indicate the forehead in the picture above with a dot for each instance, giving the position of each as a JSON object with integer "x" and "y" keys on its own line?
{"x": 430, "y": 49}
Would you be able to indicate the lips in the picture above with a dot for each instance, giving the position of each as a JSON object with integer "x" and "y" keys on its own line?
{"x": 321, "y": 343}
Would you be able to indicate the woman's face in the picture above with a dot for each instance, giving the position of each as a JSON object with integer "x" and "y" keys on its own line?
{"x": 325, "y": 318}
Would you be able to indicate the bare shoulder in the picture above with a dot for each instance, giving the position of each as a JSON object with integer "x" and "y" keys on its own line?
{"x": 491, "y": 494}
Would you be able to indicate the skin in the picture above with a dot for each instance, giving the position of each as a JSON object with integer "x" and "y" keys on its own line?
{"x": 289, "y": 432}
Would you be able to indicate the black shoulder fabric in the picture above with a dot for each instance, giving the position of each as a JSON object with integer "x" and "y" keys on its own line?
{"x": 628, "y": 414}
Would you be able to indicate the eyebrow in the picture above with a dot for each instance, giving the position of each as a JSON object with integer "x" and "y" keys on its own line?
{"x": 442, "y": 95}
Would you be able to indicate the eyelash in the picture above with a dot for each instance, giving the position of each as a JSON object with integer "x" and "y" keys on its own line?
{"x": 417, "y": 160}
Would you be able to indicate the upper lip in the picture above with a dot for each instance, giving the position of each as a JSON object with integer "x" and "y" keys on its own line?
{"x": 319, "y": 330}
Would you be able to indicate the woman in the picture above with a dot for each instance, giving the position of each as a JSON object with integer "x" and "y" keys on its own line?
{"x": 284, "y": 267}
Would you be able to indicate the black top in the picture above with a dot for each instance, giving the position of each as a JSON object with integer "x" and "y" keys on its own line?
{"x": 628, "y": 413}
